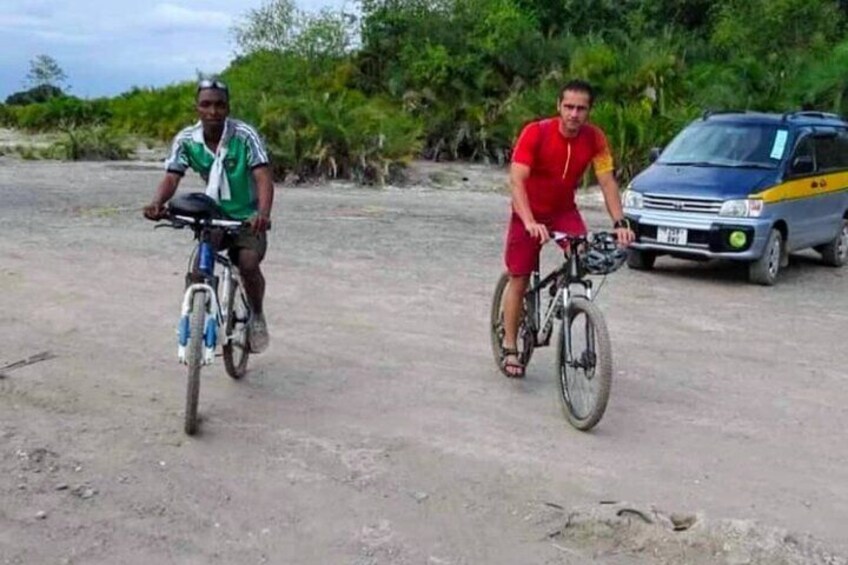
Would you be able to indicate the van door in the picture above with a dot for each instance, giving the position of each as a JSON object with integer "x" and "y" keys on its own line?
{"x": 830, "y": 182}
{"x": 800, "y": 210}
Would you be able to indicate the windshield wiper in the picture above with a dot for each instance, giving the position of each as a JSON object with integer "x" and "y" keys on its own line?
{"x": 692, "y": 163}
{"x": 739, "y": 165}
{"x": 751, "y": 165}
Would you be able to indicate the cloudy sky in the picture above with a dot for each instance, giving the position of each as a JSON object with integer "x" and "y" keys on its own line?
{"x": 105, "y": 47}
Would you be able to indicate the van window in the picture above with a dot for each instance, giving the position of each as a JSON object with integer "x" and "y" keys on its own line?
{"x": 803, "y": 160}
{"x": 726, "y": 144}
{"x": 832, "y": 152}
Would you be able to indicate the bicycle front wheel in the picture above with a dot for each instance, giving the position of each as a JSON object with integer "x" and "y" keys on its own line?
{"x": 584, "y": 359}
{"x": 236, "y": 349}
{"x": 525, "y": 340}
{"x": 197, "y": 319}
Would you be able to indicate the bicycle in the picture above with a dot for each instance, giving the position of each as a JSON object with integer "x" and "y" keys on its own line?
{"x": 570, "y": 299}
{"x": 204, "y": 311}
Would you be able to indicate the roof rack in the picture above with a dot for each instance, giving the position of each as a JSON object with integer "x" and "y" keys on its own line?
{"x": 708, "y": 113}
{"x": 811, "y": 114}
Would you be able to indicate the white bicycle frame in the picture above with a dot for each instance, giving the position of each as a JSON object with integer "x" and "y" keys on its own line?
{"x": 215, "y": 313}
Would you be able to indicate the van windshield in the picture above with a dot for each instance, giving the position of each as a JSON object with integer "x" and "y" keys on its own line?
{"x": 723, "y": 144}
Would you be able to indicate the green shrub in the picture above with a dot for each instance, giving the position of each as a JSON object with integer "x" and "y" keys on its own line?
{"x": 338, "y": 135}
{"x": 93, "y": 143}
{"x": 61, "y": 112}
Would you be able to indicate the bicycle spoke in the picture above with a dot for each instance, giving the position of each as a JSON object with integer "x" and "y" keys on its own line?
{"x": 581, "y": 386}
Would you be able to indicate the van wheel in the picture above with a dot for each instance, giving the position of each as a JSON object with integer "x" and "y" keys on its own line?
{"x": 764, "y": 270}
{"x": 835, "y": 253}
{"x": 641, "y": 260}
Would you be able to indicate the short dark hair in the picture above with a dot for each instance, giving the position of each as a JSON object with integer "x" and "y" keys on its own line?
{"x": 578, "y": 85}
{"x": 212, "y": 84}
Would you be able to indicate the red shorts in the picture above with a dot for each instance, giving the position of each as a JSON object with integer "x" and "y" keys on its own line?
{"x": 522, "y": 251}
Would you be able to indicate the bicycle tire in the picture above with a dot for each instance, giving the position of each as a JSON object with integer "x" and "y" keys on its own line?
{"x": 236, "y": 354}
{"x": 496, "y": 329}
{"x": 194, "y": 351}
{"x": 600, "y": 357}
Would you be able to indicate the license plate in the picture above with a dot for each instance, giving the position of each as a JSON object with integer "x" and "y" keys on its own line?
{"x": 672, "y": 236}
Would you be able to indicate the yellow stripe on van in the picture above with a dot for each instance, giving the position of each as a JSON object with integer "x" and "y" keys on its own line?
{"x": 803, "y": 188}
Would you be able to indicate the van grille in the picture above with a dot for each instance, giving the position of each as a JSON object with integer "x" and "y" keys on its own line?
{"x": 677, "y": 204}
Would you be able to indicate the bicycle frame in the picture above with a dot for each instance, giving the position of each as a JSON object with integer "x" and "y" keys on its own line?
{"x": 561, "y": 281}
{"x": 216, "y": 313}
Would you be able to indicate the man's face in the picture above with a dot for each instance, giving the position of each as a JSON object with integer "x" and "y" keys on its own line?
{"x": 574, "y": 110}
{"x": 212, "y": 106}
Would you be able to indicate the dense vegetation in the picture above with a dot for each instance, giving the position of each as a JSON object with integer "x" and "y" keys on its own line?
{"x": 339, "y": 95}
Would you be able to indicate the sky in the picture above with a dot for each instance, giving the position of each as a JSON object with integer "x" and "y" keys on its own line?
{"x": 105, "y": 47}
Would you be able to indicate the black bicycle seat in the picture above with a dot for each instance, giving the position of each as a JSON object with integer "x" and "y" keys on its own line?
{"x": 195, "y": 204}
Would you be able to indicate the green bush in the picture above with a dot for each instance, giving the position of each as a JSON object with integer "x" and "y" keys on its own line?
{"x": 35, "y": 95}
{"x": 338, "y": 135}
{"x": 89, "y": 143}
{"x": 156, "y": 113}
{"x": 60, "y": 112}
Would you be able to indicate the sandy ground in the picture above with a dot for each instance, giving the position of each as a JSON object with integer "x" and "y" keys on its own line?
{"x": 376, "y": 429}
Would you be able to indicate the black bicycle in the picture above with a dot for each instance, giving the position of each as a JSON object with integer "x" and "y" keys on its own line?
{"x": 584, "y": 351}
{"x": 205, "y": 307}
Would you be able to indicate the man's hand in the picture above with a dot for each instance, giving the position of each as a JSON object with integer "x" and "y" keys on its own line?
{"x": 259, "y": 223}
{"x": 537, "y": 231}
{"x": 625, "y": 236}
{"x": 154, "y": 211}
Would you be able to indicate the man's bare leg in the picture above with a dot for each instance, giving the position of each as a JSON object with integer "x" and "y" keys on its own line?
{"x": 254, "y": 287}
{"x": 513, "y": 309}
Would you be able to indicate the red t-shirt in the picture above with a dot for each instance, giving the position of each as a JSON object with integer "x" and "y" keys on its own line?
{"x": 557, "y": 163}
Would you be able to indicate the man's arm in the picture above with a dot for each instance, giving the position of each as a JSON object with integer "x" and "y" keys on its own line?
{"x": 166, "y": 189}
{"x": 518, "y": 174}
{"x": 264, "y": 197}
{"x": 612, "y": 199}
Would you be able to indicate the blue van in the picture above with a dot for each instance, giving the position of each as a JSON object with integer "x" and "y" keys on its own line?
{"x": 745, "y": 186}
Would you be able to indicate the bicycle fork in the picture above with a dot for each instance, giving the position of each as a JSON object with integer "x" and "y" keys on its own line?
{"x": 587, "y": 358}
{"x": 212, "y": 313}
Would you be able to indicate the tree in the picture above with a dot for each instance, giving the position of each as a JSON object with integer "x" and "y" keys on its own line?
{"x": 45, "y": 71}
{"x": 279, "y": 26}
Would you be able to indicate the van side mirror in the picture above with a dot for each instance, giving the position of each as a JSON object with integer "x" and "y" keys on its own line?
{"x": 802, "y": 165}
{"x": 654, "y": 154}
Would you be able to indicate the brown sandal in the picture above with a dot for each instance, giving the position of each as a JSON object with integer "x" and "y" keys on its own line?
{"x": 506, "y": 365}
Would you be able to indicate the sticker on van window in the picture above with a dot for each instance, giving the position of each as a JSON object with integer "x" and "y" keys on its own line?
{"x": 779, "y": 144}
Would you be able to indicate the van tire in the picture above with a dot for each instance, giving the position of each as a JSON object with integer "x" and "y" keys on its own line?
{"x": 641, "y": 260}
{"x": 765, "y": 269}
{"x": 835, "y": 253}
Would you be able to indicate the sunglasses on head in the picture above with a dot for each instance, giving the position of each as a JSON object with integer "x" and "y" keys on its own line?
{"x": 212, "y": 83}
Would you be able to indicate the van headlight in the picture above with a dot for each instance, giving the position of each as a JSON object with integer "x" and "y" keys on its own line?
{"x": 632, "y": 199}
{"x": 742, "y": 208}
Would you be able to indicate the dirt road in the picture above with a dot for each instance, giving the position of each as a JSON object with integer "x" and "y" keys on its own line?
{"x": 376, "y": 430}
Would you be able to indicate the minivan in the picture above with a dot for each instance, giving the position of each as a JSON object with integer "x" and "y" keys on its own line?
{"x": 745, "y": 186}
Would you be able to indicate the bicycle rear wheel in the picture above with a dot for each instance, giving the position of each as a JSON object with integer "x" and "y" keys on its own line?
{"x": 236, "y": 349}
{"x": 197, "y": 319}
{"x": 525, "y": 342}
{"x": 584, "y": 360}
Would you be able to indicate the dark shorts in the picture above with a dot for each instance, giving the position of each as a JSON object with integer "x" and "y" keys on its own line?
{"x": 245, "y": 239}
{"x": 522, "y": 251}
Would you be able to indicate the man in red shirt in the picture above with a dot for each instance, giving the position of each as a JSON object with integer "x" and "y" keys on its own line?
{"x": 548, "y": 162}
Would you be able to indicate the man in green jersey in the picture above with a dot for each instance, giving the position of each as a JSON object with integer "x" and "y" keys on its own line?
{"x": 230, "y": 156}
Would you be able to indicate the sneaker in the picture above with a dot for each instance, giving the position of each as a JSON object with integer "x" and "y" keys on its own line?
{"x": 258, "y": 334}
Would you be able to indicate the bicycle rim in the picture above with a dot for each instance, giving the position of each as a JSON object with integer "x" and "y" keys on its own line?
{"x": 525, "y": 341}
{"x": 584, "y": 359}
{"x": 197, "y": 318}
{"x": 236, "y": 351}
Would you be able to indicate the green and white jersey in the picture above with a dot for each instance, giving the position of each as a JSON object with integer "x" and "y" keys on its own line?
{"x": 245, "y": 151}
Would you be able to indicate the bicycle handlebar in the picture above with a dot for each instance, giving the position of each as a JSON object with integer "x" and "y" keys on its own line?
{"x": 178, "y": 221}
{"x": 563, "y": 236}
{"x": 211, "y": 222}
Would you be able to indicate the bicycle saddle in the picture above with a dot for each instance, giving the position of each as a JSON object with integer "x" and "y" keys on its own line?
{"x": 196, "y": 205}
